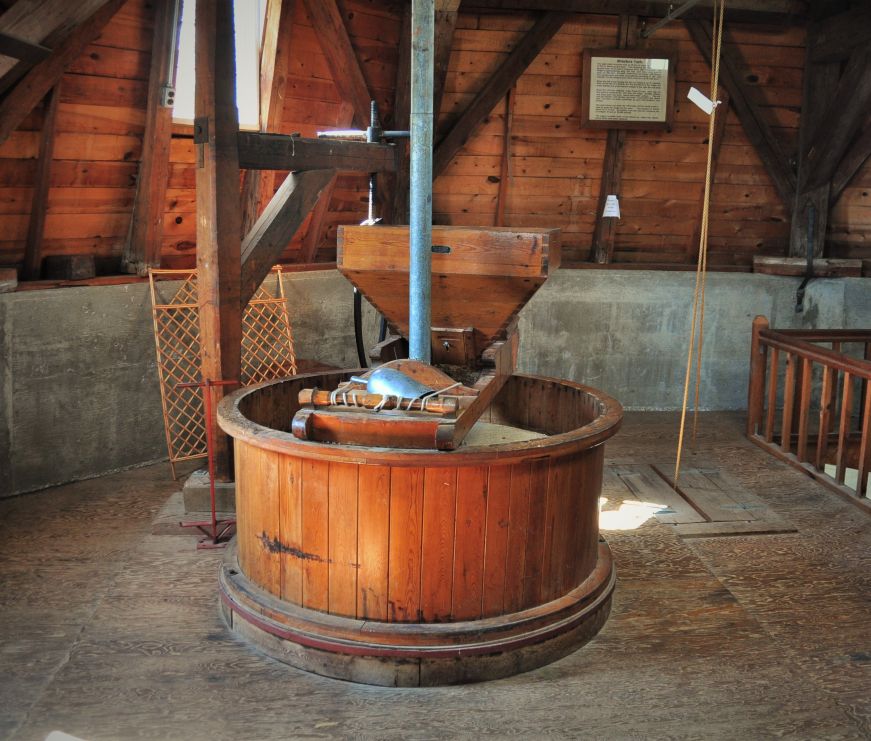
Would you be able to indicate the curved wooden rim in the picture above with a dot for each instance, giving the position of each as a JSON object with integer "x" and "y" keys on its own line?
{"x": 236, "y": 424}
{"x": 314, "y": 629}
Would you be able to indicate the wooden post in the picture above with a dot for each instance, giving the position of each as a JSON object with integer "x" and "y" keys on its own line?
{"x": 218, "y": 208}
{"x": 505, "y": 169}
{"x": 401, "y": 108}
{"x": 756, "y": 391}
{"x": 259, "y": 185}
{"x": 39, "y": 204}
{"x": 612, "y": 165}
{"x": 143, "y": 249}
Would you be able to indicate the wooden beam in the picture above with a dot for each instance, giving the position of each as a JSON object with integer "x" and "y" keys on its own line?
{"x": 341, "y": 58}
{"x": 749, "y": 112}
{"x": 605, "y": 229}
{"x": 32, "y": 88}
{"x": 811, "y": 206}
{"x": 142, "y": 250}
{"x": 719, "y": 133}
{"x": 445, "y": 25}
{"x": 259, "y": 185}
{"x": 401, "y": 122}
{"x": 26, "y": 51}
{"x": 761, "y": 11}
{"x": 39, "y": 203}
{"x": 837, "y": 36}
{"x": 280, "y": 152}
{"x": 35, "y": 20}
{"x": 277, "y": 224}
{"x": 846, "y": 113}
{"x": 527, "y": 49}
{"x": 218, "y": 212}
{"x": 850, "y": 164}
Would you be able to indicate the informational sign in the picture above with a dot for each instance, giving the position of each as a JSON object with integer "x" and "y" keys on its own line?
{"x": 623, "y": 88}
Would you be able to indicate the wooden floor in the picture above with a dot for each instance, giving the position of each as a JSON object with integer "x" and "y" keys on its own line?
{"x": 109, "y": 627}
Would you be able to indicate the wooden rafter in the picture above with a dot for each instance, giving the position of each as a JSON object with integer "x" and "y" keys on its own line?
{"x": 756, "y": 11}
{"x": 494, "y": 90}
{"x": 277, "y": 224}
{"x": 143, "y": 249}
{"x": 838, "y": 35}
{"x": 26, "y": 51}
{"x": 39, "y": 203}
{"x": 749, "y": 112}
{"x": 218, "y": 210}
{"x": 32, "y": 88}
{"x": 33, "y": 21}
{"x": 350, "y": 81}
{"x": 850, "y": 164}
{"x": 845, "y": 116}
{"x": 446, "y": 13}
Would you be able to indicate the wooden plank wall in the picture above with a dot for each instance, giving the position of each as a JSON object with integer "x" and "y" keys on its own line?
{"x": 555, "y": 166}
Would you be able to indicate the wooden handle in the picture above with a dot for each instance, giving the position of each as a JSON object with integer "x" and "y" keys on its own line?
{"x": 319, "y": 398}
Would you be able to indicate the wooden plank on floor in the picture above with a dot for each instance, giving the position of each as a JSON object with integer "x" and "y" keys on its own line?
{"x": 719, "y": 529}
{"x": 721, "y": 497}
{"x": 648, "y": 486}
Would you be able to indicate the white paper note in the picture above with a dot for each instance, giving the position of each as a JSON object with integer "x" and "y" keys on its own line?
{"x": 701, "y": 100}
{"x": 612, "y": 208}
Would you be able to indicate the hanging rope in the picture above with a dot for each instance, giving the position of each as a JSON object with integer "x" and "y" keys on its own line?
{"x": 697, "y": 325}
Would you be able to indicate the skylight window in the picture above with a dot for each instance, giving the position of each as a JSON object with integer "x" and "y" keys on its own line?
{"x": 249, "y": 15}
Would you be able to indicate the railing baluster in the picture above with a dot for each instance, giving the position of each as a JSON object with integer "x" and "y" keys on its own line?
{"x": 825, "y": 416}
{"x": 772, "y": 394}
{"x": 864, "y": 463}
{"x": 844, "y": 427}
{"x": 756, "y": 392}
{"x": 788, "y": 403}
{"x": 804, "y": 407}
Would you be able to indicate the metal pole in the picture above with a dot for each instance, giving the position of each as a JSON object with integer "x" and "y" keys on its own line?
{"x": 420, "y": 198}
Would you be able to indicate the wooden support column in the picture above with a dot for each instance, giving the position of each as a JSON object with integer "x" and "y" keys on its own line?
{"x": 612, "y": 165}
{"x": 34, "y": 86}
{"x": 259, "y": 185}
{"x": 142, "y": 251}
{"x": 505, "y": 169}
{"x": 521, "y": 56}
{"x": 39, "y": 203}
{"x": 749, "y": 112}
{"x": 218, "y": 211}
{"x": 719, "y": 133}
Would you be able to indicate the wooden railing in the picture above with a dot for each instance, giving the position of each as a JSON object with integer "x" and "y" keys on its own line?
{"x": 810, "y": 405}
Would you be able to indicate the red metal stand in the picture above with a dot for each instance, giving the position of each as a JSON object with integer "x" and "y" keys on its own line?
{"x": 218, "y": 532}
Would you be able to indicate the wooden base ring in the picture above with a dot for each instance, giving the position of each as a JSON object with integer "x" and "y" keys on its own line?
{"x": 416, "y": 654}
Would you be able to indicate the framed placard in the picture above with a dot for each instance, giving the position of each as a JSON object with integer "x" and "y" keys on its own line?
{"x": 627, "y": 89}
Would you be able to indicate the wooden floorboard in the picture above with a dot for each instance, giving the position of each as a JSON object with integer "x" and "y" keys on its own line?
{"x": 109, "y": 630}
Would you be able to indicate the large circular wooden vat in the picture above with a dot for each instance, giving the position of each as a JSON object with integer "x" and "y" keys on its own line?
{"x": 410, "y": 567}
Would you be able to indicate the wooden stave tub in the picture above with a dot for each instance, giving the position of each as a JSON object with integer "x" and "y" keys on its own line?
{"x": 320, "y": 599}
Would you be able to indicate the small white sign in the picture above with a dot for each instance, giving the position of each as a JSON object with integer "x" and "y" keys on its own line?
{"x": 612, "y": 208}
{"x": 701, "y": 100}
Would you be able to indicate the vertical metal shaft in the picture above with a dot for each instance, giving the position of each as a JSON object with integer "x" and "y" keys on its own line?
{"x": 420, "y": 198}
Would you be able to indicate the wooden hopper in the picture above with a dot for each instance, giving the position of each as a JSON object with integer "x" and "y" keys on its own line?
{"x": 481, "y": 278}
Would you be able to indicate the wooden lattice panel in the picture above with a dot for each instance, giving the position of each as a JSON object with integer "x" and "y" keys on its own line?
{"x": 267, "y": 353}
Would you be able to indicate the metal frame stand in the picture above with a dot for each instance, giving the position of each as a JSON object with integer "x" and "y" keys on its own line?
{"x": 217, "y": 532}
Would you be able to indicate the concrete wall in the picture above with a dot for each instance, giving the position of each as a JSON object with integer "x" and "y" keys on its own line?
{"x": 79, "y": 394}
{"x": 627, "y": 332}
{"x": 78, "y": 383}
